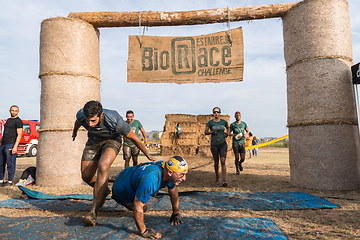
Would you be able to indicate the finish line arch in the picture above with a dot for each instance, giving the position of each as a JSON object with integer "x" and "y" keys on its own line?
{"x": 322, "y": 119}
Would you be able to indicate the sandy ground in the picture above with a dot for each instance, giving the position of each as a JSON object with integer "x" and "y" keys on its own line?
{"x": 268, "y": 172}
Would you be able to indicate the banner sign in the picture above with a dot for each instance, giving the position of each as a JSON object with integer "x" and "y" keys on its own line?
{"x": 208, "y": 58}
{"x": 355, "y": 70}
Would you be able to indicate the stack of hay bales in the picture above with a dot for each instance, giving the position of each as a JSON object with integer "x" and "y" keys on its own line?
{"x": 70, "y": 76}
{"x": 193, "y": 141}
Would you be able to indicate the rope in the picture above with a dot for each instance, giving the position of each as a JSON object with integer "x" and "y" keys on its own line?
{"x": 228, "y": 23}
{"x": 60, "y": 130}
{"x": 323, "y": 122}
{"x": 67, "y": 73}
{"x": 140, "y": 29}
{"x": 267, "y": 143}
{"x": 315, "y": 58}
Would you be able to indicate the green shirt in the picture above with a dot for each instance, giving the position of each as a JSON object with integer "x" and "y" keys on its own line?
{"x": 238, "y": 128}
{"x": 217, "y": 128}
{"x": 136, "y": 127}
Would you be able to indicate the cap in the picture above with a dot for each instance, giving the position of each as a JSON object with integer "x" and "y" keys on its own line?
{"x": 237, "y": 112}
{"x": 176, "y": 164}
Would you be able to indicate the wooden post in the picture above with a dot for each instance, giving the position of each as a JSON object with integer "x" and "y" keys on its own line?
{"x": 156, "y": 18}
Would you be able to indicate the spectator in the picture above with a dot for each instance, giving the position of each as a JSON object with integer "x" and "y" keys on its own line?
{"x": 255, "y": 142}
{"x": 9, "y": 143}
{"x": 249, "y": 142}
{"x": 178, "y": 133}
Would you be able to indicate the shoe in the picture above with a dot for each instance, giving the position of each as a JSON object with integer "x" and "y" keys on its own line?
{"x": 217, "y": 180}
{"x": 90, "y": 220}
{"x": 237, "y": 172}
{"x": 6, "y": 184}
{"x": 224, "y": 183}
{"x": 241, "y": 167}
{"x": 113, "y": 177}
{"x": 108, "y": 192}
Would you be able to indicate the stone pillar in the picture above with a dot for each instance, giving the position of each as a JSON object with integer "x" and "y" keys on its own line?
{"x": 70, "y": 76}
{"x": 322, "y": 118}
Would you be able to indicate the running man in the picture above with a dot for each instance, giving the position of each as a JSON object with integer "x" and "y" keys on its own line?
{"x": 130, "y": 149}
{"x": 105, "y": 129}
{"x": 239, "y": 131}
{"x": 136, "y": 184}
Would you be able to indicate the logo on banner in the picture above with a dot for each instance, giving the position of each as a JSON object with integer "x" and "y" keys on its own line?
{"x": 207, "y": 58}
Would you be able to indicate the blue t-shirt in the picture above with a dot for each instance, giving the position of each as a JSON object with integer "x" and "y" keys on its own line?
{"x": 146, "y": 181}
{"x": 112, "y": 126}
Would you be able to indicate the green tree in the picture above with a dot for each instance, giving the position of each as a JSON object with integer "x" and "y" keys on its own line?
{"x": 156, "y": 136}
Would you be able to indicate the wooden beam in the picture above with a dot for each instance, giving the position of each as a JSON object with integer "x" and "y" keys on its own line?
{"x": 195, "y": 17}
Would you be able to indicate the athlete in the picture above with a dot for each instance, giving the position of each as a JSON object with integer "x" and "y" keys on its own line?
{"x": 105, "y": 129}
{"x": 136, "y": 184}
{"x": 239, "y": 131}
{"x": 130, "y": 149}
{"x": 216, "y": 127}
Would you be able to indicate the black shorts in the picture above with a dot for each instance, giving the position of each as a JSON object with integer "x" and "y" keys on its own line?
{"x": 238, "y": 148}
{"x": 130, "y": 151}
{"x": 92, "y": 152}
{"x": 178, "y": 135}
{"x": 220, "y": 149}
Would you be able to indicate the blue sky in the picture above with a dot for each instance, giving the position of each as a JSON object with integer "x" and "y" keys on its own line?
{"x": 261, "y": 97}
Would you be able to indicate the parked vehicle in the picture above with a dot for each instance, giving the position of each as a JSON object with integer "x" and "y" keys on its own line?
{"x": 29, "y": 139}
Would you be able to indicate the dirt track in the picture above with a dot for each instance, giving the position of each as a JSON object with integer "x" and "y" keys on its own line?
{"x": 269, "y": 172}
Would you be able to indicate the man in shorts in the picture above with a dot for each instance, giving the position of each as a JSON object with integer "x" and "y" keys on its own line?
{"x": 136, "y": 184}
{"x": 239, "y": 130}
{"x": 105, "y": 129}
{"x": 130, "y": 149}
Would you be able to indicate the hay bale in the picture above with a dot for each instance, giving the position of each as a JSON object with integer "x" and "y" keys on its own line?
{"x": 322, "y": 118}
{"x": 319, "y": 159}
{"x": 192, "y": 136}
{"x": 70, "y": 76}
{"x": 56, "y": 165}
{"x": 315, "y": 93}
{"x": 69, "y": 46}
{"x": 316, "y": 29}
{"x": 62, "y": 96}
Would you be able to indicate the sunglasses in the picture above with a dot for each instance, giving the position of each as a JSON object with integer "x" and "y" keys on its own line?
{"x": 216, "y": 112}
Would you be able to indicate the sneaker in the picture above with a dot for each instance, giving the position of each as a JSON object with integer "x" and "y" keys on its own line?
{"x": 237, "y": 172}
{"x": 113, "y": 177}
{"x": 6, "y": 184}
{"x": 217, "y": 180}
{"x": 90, "y": 220}
{"x": 224, "y": 183}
